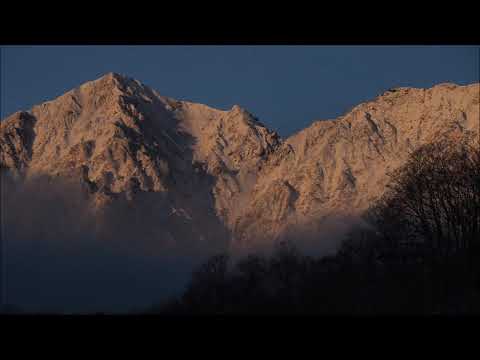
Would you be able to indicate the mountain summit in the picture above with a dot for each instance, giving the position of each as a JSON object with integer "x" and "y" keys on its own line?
{"x": 120, "y": 139}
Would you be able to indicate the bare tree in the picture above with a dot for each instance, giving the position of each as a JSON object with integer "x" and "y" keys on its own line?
{"x": 434, "y": 198}
{"x": 431, "y": 213}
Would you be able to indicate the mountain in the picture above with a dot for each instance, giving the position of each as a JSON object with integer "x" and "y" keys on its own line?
{"x": 223, "y": 173}
{"x": 335, "y": 169}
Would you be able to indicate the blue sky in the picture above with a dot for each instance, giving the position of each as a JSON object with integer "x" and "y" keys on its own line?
{"x": 286, "y": 87}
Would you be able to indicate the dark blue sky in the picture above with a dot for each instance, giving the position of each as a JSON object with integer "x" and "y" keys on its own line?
{"x": 286, "y": 87}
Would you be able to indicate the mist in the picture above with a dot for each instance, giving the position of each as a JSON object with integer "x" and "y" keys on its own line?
{"x": 59, "y": 255}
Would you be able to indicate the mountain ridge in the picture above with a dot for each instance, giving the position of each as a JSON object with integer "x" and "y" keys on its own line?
{"x": 119, "y": 137}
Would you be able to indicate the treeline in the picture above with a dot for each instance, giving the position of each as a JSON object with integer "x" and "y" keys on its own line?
{"x": 418, "y": 253}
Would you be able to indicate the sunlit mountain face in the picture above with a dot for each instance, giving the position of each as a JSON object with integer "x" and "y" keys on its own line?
{"x": 113, "y": 192}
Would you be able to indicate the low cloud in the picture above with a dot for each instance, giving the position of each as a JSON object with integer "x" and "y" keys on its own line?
{"x": 61, "y": 256}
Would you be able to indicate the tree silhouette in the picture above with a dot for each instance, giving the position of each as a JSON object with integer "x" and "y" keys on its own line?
{"x": 418, "y": 254}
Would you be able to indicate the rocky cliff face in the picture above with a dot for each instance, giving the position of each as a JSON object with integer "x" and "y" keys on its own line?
{"x": 224, "y": 169}
{"x": 120, "y": 140}
{"x": 339, "y": 167}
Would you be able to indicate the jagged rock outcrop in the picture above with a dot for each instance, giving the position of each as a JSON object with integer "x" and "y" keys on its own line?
{"x": 340, "y": 166}
{"x": 119, "y": 138}
{"x": 16, "y": 141}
